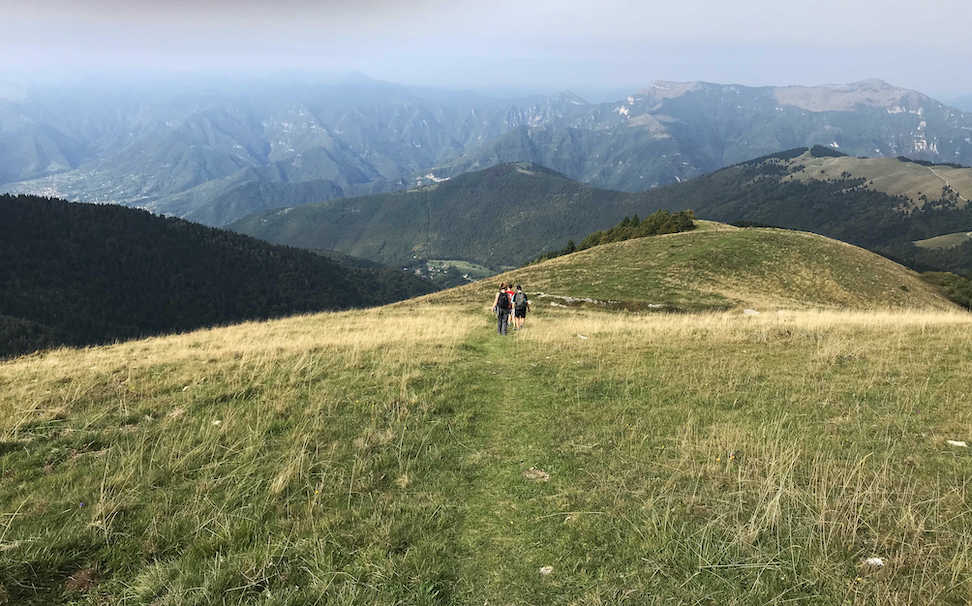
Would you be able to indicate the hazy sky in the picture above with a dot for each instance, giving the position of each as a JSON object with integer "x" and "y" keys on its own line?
{"x": 539, "y": 45}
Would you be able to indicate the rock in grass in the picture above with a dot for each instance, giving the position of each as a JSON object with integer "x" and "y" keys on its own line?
{"x": 874, "y": 562}
{"x": 546, "y": 570}
{"x": 537, "y": 475}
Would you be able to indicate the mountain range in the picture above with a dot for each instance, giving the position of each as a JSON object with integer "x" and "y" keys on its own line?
{"x": 216, "y": 151}
{"x": 505, "y": 215}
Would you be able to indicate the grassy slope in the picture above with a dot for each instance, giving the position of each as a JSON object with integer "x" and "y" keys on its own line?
{"x": 889, "y": 175}
{"x": 380, "y": 458}
{"x": 388, "y": 456}
{"x": 945, "y": 241}
{"x": 719, "y": 267}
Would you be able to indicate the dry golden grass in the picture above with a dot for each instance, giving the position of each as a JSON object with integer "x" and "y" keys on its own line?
{"x": 945, "y": 241}
{"x": 52, "y": 384}
{"x": 379, "y": 457}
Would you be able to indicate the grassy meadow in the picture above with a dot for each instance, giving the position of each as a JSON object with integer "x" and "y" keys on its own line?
{"x": 720, "y": 267}
{"x": 890, "y": 175}
{"x": 409, "y": 455}
{"x": 946, "y": 241}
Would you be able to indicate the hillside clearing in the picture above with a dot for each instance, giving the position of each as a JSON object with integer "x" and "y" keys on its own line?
{"x": 379, "y": 458}
{"x": 907, "y": 179}
{"x": 946, "y": 240}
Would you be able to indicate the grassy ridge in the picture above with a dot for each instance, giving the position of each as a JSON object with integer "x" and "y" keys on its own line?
{"x": 398, "y": 456}
{"x": 892, "y": 176}
{"x": 719, "y": 267}
{"x": 945, "y": 241}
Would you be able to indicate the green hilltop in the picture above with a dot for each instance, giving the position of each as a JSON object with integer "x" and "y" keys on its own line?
{"x": 717, "y": 267}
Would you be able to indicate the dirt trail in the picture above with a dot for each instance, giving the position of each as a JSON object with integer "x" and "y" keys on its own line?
{"x": 500, "y": 553}
{"x": 945, "y": 181}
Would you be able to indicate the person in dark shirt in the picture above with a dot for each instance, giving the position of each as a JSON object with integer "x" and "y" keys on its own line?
{"x": 520, "y": 306}
{"x": 502, "y": 306}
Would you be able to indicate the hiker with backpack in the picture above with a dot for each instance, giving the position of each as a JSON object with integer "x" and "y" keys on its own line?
{"x": 509, "y": 293}
{"x": 520, "y": 306}
{"x": 502, "y": 307}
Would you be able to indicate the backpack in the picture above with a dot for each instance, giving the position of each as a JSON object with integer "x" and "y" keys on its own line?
{"x": 503, "y": 302}
{"x": 519, "y": 300}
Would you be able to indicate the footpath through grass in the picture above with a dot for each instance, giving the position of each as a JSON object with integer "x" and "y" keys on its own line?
{"x": 415, "y": 457}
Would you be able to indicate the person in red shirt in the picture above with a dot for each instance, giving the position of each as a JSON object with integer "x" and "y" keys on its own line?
{"x": 509, "y": 293}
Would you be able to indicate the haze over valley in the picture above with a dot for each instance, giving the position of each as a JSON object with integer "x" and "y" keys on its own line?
{"x": 214, "y": 152}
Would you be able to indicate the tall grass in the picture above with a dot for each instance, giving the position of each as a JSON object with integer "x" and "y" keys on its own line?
{"x": 410, "y": 455}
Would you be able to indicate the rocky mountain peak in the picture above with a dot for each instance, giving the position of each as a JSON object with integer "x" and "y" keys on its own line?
{"x": 847, "y": 97}
{"x": 665, "y": 89}
{"x": 572, "y": 98}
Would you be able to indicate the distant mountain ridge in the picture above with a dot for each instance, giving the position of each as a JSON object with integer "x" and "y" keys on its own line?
{"x": 215, "y": 152}
{"x": 884, "y": 204}
{"x": 964, "y": 103}
{"x": 673, "y": 131}
{"x": 156, "y": 149}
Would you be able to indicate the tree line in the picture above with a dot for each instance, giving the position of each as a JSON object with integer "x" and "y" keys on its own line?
{"x": 660, "y": 222}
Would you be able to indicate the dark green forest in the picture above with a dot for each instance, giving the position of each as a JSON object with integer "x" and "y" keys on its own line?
{"x": 661, "y": 222}
{"x": 501, "y": 217}
{"x": 957, "y": 288}
{"x": 80, "y": 274}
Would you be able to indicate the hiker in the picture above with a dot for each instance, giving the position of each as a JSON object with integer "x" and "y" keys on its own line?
{"x": 502, "y": 307}
{"x": 520, "y": 306}
{"x": 509, "y": 293}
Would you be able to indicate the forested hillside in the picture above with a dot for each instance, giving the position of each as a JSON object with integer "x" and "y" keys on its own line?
{"x": 500, "y": 217}
{"x": 509, "y": 214}
{"x": 80, "y": 274}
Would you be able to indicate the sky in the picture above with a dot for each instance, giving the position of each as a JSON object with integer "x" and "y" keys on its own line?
{"x": 532, "y": 46}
